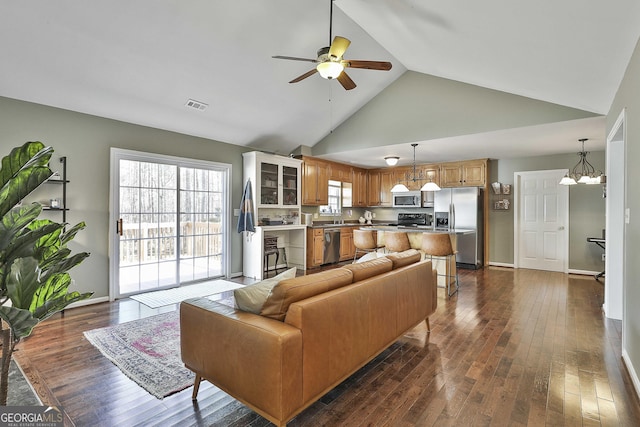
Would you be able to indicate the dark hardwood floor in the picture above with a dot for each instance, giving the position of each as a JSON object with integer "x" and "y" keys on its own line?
{"x": 513, "y": 348}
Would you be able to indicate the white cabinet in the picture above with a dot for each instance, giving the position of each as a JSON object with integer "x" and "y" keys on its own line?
{"x": 275, "y": 179}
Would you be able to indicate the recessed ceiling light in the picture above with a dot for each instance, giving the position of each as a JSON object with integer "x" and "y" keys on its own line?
{"x": 196, "y": 105}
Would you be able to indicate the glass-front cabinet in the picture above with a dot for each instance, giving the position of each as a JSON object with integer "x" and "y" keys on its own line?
{"x": 276, "y": 179}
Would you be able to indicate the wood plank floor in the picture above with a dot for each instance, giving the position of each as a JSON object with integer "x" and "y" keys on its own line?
{"x": 513, "y": 348}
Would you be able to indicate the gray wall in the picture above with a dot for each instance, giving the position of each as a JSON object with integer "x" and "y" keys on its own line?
{"x": 86, "y": 141}
{"x": 405, "y": 112}
{"x": 586, "y": 210}
{"x": 627, "y": 97}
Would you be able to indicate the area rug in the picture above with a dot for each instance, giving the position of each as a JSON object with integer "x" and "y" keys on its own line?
{"x": 174, "y": 296}
{"x": 147, "y": 351}
{"x": 20, "y": 392}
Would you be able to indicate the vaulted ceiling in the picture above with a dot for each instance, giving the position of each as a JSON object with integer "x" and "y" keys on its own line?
{"x": 141, "y": 61}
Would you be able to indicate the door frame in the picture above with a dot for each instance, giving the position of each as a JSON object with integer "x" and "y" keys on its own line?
{"x": 517, "y": 180}
{"x": 113, "y": 250}
{"x": 615, "y": 225}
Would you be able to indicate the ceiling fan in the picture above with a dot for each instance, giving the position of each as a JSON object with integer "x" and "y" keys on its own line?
{"x": 331, "y": 63}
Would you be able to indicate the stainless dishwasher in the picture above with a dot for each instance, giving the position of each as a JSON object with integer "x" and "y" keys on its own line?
{"x": 331, "y": 252}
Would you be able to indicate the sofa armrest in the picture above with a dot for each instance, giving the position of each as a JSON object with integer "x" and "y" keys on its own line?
{"x": 255, "y": 359}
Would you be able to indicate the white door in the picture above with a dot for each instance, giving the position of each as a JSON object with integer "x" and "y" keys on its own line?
{"x": 541, "y": 221}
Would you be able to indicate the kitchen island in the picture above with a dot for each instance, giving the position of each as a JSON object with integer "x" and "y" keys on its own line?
{"x": 415, "y": 240}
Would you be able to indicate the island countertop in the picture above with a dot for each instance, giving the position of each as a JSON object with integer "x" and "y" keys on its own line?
{"x": 416, "y": 229}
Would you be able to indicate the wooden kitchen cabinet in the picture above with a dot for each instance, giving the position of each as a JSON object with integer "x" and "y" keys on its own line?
{"x": 463, "y": 174}
{"x": 315, "y": 182}
{"x": 315, "y": 250}
{"x": 347, "y": 248}
{"x": 359, "y": 187}
{"x": 387, "y": 181}
{"x": 373, "y": 188}
{"x": 340, "y": 172}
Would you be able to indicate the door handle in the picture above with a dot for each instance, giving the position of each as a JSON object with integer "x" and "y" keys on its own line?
{"x": 119, "y": 227}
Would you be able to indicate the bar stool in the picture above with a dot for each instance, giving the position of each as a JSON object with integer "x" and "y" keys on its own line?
{"x": 438, "y": 245}
{"x": 396, "y": 241}
{"x": 365, "y": 241}
{"x": 271, "y": 248}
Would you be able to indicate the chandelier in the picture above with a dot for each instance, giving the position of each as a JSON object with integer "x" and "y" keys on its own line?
{"x": 429, "y": 186}
{"x": 583, "y": 172}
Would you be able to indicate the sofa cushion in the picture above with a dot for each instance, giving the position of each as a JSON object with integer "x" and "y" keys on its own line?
{"x": 251, "y": 298}
{"x": 374, "y": 267}
{"x": 291, "y": 290}
{"x": 400, "y": 259}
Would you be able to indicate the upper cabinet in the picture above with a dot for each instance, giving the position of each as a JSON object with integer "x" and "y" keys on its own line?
{"x": 276, "y": 179}
{"x": 463, "y": 174}
{"x": 373, "y": 188}
{"x": 359, "y": 187}
{"x": 315, "y": 182}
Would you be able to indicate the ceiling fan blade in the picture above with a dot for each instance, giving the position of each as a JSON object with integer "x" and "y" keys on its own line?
{"x": 369, "y": 65}
{"x": 338, "y": 47}
{"x": 293, "y": 58}
{"x": 346, "y": 81}
{"x": 304, "y": 76}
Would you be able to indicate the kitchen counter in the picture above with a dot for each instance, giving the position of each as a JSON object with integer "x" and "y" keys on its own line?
{"x": 346, "y": 224}
{"x": 415, "y": 229}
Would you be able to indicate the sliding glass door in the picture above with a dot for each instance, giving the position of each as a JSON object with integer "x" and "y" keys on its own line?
{"x": 170, "y": 221}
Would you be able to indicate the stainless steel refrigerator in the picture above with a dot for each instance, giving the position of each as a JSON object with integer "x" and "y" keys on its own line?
{"x": 463, "y": 208}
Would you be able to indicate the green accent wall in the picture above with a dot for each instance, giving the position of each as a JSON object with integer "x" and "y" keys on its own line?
{"x": 86, "y": 141}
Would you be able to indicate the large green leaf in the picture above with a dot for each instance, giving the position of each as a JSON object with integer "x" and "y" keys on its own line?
{"x": 64, "y": 265}
{"x": 22, "y": 184}
{"x": 53, "y": 306}
{"x": 20, "y": 320}
{"x": 15, "y": 220}
{"x": 71, "y": 233}
{"x": 28, "y": 155}
{"x": 24, "y": 245}
{"x": 23, "y": 281}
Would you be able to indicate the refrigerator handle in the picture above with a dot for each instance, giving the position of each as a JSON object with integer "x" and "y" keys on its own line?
{"x": 452, "y": 216}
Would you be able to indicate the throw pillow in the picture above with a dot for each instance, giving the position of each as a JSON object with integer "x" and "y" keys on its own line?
{"x": 251, "y": 298}
{"x": 369, "y": 256}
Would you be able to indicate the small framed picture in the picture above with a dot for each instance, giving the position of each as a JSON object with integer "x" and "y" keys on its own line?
{"x": 496, "y": 187}
{"x": 506, "y": 188}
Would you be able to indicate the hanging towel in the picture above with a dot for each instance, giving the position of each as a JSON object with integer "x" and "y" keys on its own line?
{"x": 245, "y": 220}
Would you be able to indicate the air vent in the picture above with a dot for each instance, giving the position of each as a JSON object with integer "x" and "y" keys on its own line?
{"x": 196, "y": 105}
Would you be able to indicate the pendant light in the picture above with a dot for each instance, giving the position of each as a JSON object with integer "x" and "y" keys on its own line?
{"x": 429, "y": 186}
{"x": 583, "y": 172}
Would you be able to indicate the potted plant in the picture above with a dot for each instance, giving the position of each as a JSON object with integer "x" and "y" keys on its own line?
{"x": 34, "y": 257}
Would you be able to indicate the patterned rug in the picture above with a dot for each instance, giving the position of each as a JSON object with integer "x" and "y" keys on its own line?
{"x": 20, "y": 392}
{"x": 174, "y": 296}
{"x": 148, "y": 351}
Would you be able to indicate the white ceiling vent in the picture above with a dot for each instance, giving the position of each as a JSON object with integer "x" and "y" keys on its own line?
{"x": 196, "y": 105}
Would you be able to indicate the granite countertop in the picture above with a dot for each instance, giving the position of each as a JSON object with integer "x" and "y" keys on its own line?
{"x": 330, "y": 224}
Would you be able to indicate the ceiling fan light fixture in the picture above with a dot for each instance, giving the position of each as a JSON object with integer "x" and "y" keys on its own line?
{"x": 392, "y": 160}
{"x": 330, "y": 69}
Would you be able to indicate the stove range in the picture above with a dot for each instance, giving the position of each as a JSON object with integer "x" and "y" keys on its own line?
{"x": 415, "y": 220}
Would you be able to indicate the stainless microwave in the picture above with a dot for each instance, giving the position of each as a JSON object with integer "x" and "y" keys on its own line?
{"x": 408, "y": 199}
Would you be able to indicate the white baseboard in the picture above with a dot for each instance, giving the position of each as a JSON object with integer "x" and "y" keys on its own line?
{"x": 500, "y": 264}
{"x": 89, "y": 301}
{"x": 583, "y": 272}
{"x": 233, "y": 275}
{"x": 632, "y": 371}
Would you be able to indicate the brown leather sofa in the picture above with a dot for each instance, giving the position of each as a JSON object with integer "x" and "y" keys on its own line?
{"x": 313, "y": 332}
